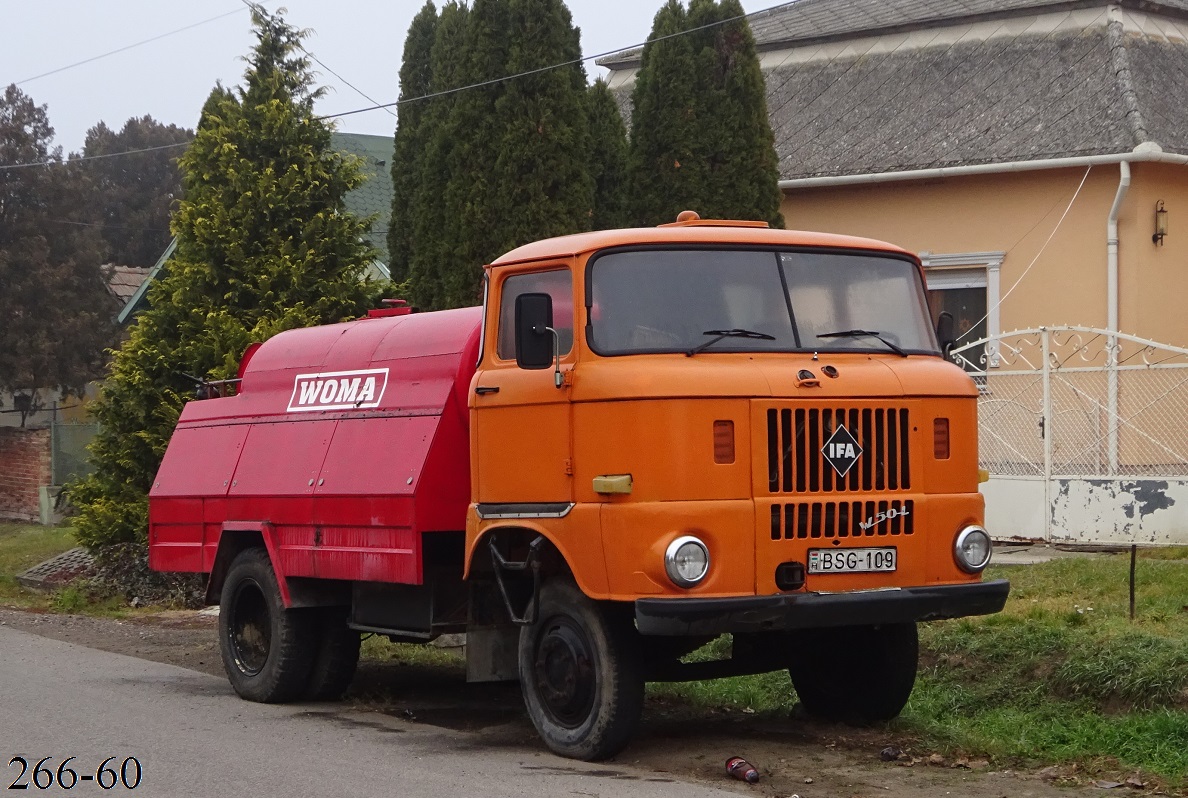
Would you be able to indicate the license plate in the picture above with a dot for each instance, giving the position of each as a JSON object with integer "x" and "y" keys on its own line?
{"x": 850, "y": 561}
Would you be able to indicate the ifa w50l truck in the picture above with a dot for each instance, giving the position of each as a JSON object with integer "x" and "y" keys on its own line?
{"x": 643, "y": 440}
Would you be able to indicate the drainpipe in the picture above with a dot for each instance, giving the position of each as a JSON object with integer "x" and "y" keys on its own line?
{"x": 1112, "y": 314}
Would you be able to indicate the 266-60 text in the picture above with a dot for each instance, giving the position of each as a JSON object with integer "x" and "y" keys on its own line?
{"x": 111, "y": 773}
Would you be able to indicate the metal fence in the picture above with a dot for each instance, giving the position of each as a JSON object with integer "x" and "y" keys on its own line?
{"x": 69, "y": 450}
{"x": 1084, "y": 433}
{"x": 1076, "y": 401}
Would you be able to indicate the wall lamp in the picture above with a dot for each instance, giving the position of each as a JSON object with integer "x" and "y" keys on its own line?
{"x": 1160, "y": 223}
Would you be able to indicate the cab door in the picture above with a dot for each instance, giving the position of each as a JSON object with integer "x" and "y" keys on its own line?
{"x": 520, "y": 419}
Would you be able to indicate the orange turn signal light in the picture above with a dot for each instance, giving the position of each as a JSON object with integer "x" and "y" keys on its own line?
{"x": 940, "y": 438}
{"x": 723, "y": 442}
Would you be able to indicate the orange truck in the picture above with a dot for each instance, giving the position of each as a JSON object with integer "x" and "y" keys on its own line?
{"x": 644, "y": 440}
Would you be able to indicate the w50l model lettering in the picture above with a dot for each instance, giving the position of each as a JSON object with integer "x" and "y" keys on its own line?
{"x": 626, "y": 451}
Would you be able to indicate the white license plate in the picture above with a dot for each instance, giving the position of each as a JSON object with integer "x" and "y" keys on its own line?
{"x": 850, "y": 561}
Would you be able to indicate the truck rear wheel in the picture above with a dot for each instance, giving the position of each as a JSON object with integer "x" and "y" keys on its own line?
{"x": 336, "y": 658}
{"x": 268, "y": 651}
{"x": 856, "y": 674}
{"x": 581, "y": 680}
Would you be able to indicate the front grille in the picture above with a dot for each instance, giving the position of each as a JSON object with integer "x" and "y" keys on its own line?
{"x": 795, "y": 437}
{"x": 841, "y": 519}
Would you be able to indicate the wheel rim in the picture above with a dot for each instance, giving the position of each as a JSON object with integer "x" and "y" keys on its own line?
{"x": 249, "y": 628}
{"x": 564, "y": 673}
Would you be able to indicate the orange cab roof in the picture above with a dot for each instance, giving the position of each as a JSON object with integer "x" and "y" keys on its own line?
{"x": 695, "y": 233}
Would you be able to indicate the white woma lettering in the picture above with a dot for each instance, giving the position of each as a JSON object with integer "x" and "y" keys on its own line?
{"x": 341, "y": 390}
{"x": 309, "y": 391}
{"x": 368, "y": 392}
{"x": 347, "y": 390}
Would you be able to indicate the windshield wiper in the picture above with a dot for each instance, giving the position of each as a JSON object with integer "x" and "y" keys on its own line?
{"x": 864, "y": 334}
{"x": 720, "y": 334}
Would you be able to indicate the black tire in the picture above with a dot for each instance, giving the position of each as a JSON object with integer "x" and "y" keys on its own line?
{"x": 268, "y": 651}
{"x": 855, "y": 674}
{"x": 580, "y": 675}
{"x": 336, "y": 658}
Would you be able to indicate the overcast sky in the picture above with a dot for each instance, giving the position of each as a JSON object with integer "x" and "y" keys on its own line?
{"x": 361, "y": 40}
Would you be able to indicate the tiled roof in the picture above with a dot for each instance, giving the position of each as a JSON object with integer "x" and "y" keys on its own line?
{"x": 1072, "y": 91}
{"x": 122, "y": 281}
{"x": 816, "y": 20}
{"x": 375, "y": 195}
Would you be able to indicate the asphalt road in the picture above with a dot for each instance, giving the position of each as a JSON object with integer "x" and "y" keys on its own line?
{"x": 193, "y": 737}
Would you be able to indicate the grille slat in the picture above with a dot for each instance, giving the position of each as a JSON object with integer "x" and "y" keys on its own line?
{"x": 795, "y": 438}
{"x": 807, "y": 520}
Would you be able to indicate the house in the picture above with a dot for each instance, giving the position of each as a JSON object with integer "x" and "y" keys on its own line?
{"x": 372, "y": 198}
{"x": 1035, "y": 152}
{"x": 963, "y": 129}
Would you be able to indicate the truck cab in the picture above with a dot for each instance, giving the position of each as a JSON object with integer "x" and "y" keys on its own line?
{"x": 721, "y": 428}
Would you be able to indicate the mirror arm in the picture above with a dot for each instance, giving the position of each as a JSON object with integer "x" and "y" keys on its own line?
{"x": 557, "y": 378}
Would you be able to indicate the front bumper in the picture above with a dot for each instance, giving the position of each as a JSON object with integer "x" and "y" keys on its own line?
{"x": 714, "y": 616}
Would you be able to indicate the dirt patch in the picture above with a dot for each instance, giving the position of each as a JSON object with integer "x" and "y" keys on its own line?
{"x": 793, "y": 755}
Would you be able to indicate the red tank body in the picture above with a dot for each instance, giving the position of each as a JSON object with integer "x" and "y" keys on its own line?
{"x": 294, "y": 455}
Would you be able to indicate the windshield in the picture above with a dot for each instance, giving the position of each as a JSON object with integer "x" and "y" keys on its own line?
{"x": 667, "y": 300}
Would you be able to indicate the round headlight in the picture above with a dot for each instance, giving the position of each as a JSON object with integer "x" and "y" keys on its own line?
{"x": 972, "y": 549}
{"x": 687, "y": 561}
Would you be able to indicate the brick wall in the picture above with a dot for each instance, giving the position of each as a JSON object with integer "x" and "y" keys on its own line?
{"x": 24, "y": 468}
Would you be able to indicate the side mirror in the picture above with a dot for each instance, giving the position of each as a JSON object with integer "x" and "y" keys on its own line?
{"x": 534, "y": 336}
{"x": 944, "y": 333}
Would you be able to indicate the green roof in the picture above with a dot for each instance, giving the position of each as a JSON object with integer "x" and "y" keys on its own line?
{"x": 373, "y": 197}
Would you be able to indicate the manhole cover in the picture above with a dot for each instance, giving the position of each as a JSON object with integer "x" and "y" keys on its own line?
{"x": 58, "y": 571}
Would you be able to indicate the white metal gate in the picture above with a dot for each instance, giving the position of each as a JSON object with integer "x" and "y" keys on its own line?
{"x": 1085, "y": 435}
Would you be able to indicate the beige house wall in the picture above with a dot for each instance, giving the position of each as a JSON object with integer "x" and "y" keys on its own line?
{"x": 1015, "y": 213}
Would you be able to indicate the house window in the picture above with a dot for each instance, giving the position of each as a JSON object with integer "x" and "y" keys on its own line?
{"x": 966, "y": 285}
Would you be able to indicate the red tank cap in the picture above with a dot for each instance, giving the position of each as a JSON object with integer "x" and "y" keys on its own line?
{"x": 394, "y": 307}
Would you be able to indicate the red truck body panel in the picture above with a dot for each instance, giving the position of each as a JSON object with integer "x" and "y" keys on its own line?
{"x": 294, "y": 455}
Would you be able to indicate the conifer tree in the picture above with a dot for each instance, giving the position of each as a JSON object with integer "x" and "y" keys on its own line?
{"x": 701, "y": 138}
{"x": 416, "y": 73}
{"x": 663, "y": 169}
{"x": 264, "y": 244}
{"x": 541, "y": 169}
{"x": 430, "y": 246}
{"x": 608, "y": 158}
{"x": 474, "y": 213}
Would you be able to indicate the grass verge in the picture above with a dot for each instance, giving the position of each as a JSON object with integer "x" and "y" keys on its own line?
{"x": 1061, "y": 676}
{"x": 24, "y": 545}
{"x": 21, "y": 547}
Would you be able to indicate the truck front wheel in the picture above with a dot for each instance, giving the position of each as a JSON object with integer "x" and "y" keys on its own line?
{"x": 856, "y": 674}
{"x": 268, "y": 651}
{"x": 579, "y": 673}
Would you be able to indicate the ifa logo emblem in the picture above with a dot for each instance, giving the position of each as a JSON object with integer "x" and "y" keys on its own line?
{"x": 338, "y": 390}
{"x": 841, "y": 451}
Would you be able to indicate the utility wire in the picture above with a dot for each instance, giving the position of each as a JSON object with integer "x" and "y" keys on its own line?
{"x": 385, "y": 106}
{"x": 68, "y": 162}
{"x": 551, "y": 67}
{"x": 126, "y": 47}
{"x": 250, "y": 5}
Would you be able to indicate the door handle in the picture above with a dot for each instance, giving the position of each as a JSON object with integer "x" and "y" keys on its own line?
{"x": 482, "y": 390}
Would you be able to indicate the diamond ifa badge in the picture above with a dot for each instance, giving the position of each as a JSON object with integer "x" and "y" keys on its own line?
{"x": 841, "y": 451}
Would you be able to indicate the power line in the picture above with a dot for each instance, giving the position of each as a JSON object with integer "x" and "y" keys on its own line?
{"x": 250, "y": 5}
{"x": 81, "y": 158}
{"x": 126, "y": 47}
{"x": 562, "y": 65}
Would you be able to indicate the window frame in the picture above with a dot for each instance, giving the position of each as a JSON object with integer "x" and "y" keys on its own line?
{"x": 775, "y": 250}
{"x": 567, "y": 356}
